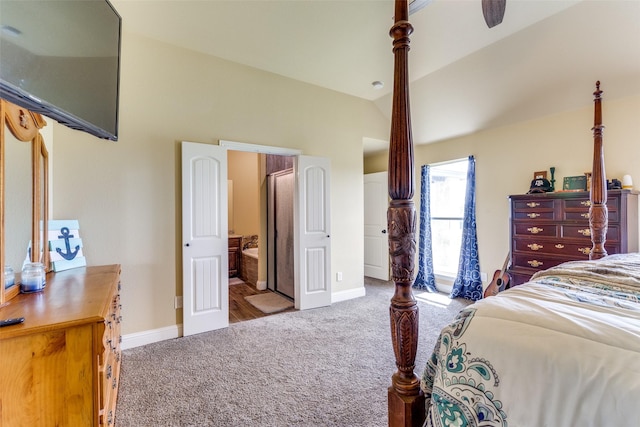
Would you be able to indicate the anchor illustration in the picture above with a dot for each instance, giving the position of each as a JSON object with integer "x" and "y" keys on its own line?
{"x": 69, "y": 255}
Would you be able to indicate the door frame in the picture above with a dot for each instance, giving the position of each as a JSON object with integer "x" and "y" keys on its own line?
{"x": 316, "y": 172}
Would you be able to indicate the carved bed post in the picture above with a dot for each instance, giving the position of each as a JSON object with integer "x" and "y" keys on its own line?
{"x": 406, "y": 401}
{"x": 598, "y": 214}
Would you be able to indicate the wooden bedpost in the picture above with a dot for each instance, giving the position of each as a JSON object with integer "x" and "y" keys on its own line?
{"x": 406, "y": 401}
{"x": 598, "y": 213}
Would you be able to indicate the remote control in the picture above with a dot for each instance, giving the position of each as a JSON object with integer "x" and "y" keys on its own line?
{"x": 7, "y": 322}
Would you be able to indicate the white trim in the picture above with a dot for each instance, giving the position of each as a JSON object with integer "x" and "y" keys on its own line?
{"x": 348, "y": 294}
{"x": 254, "y": 148}
{"x": 138, "y": 339}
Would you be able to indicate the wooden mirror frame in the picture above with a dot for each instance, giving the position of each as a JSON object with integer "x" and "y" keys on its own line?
{"x": 25, "y": 125}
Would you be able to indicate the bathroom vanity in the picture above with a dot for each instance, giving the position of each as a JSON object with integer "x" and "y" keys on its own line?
{"x": 235, "y": 255}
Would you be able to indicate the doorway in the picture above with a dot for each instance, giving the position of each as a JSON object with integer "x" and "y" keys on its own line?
{"x": 204, "y": 198}
{"x": 261, "y": 213}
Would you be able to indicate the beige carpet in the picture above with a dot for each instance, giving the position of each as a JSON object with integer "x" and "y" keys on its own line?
{"x": 327, "y": 367}
{"x": 269, "y": 303}
{"x": 235, "y": 281}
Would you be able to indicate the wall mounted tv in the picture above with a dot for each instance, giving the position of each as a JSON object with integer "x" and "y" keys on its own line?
{"x": 61, "y": 58}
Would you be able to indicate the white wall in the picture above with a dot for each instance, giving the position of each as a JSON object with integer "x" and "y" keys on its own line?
{"x": 126, "y": 195}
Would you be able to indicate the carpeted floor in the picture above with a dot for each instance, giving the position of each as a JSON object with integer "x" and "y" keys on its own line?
{"x": 323, "y": 367}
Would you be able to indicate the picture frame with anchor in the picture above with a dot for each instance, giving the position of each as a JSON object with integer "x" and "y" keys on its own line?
{"x": 65, "y": 245}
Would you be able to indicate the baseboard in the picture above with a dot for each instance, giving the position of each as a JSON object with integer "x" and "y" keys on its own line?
{"x": 138, "y": 339}
{"x": 348, "y": 294}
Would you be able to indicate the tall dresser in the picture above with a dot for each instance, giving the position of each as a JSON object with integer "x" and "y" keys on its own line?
{"x": 550, "y": 228}
{"x": 61, "y": 366}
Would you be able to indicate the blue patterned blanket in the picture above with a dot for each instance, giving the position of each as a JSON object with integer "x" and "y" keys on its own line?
{"x": 560, "y": 350}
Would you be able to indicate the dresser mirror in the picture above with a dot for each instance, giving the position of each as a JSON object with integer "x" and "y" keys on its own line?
{"x": 23, "y": 192}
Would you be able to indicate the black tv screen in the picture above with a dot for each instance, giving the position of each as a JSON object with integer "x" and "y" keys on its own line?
{"x": 61, "y": 58}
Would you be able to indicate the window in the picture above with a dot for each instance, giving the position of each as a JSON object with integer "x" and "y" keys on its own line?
{"x": 447, "y": 187}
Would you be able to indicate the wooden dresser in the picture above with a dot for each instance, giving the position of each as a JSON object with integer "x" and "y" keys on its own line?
{"x": 61, "y": 366}
{"x": 550, "y": 228}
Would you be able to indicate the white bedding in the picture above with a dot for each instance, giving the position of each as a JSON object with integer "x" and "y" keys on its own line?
{"x": 562, "y": 350}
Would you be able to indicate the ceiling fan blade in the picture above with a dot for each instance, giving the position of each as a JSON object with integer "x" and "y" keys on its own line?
{"x": 493, "y": 11}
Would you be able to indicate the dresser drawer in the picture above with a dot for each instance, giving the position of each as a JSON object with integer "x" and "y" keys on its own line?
{"x": 533, "y": 205}
{"x": 538, "y": 262}
{"x": 578, "y": 203}
{"x": 535, "y": 229}
{"x": 585, "y": 203}
{"x": 551, "y": 247}
{"x": 529, "y": 215}
{"x": 583, "y": 216}
{"x": 583, "y": 231}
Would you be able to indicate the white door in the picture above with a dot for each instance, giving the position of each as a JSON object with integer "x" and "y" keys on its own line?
{"x": 376, "y": 240}
{"x": 205, "y": 265}
{"x": 313, "y": 233}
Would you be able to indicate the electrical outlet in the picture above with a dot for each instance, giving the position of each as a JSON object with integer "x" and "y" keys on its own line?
{"x": 178, "y": 302}
{"x": 339, "y": 276}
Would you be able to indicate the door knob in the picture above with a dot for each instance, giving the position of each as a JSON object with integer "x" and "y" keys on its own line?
{"x": 384, "y": 231}
{"x": 186, "y": 244}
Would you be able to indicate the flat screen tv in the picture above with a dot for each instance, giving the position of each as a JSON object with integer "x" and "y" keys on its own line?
{"x": 61, "y": 58}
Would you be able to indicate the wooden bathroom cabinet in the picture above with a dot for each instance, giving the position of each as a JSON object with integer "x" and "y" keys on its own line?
{"x": 235, "y": 255}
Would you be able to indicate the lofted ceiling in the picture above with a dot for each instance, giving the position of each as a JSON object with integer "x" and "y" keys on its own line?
{"x": 543, "y": 59}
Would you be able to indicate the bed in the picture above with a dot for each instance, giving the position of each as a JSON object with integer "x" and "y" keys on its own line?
{"x": 561, "y": 350}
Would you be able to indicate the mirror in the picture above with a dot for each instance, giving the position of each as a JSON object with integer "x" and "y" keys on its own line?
{"x": 42, "y": 178}
{"x": 23, "y": 191}
{"x": 18, "y": 203}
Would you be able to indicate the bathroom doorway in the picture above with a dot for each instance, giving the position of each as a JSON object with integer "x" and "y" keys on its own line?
{"x": 261, "y": 188}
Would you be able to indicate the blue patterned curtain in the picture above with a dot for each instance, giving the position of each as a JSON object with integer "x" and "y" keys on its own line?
{"x": 425, "y": 278}
{"x": 468, "y": 283}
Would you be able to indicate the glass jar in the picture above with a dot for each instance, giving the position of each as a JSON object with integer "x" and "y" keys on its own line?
{"x": 9, "y": 277}
{"x": 32, "y": 278}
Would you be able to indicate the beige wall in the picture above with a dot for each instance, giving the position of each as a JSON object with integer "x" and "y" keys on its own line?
{"x": 507, "y": 157}
{"x": 244, "y": 170}
{"x": 126, "y": 195}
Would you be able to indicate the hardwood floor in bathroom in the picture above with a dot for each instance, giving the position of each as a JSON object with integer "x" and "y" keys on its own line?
{"x": 239, "y": 309}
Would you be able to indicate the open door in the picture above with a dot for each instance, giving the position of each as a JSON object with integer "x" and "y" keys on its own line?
{"x": 376, "y": 239}
{"x": 205, "y": 265}
{"x": 313, "y": 233}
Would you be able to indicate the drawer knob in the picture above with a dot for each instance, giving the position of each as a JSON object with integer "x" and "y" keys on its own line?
{"x": 585, "y": 232}
{"x": 533, "y": 215}
{"x": 585, "y": 215}
{"x": 535, "y": 230}
{"x": 533, "y": 204}
{"x": 585, "y": 251}
{"x": 586, "y": 203}
{"x": 109, "y": 371}
{"x": 559, "y": 246}
{"x": 535, "y": 263}
{"x": 535, "y": 246}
